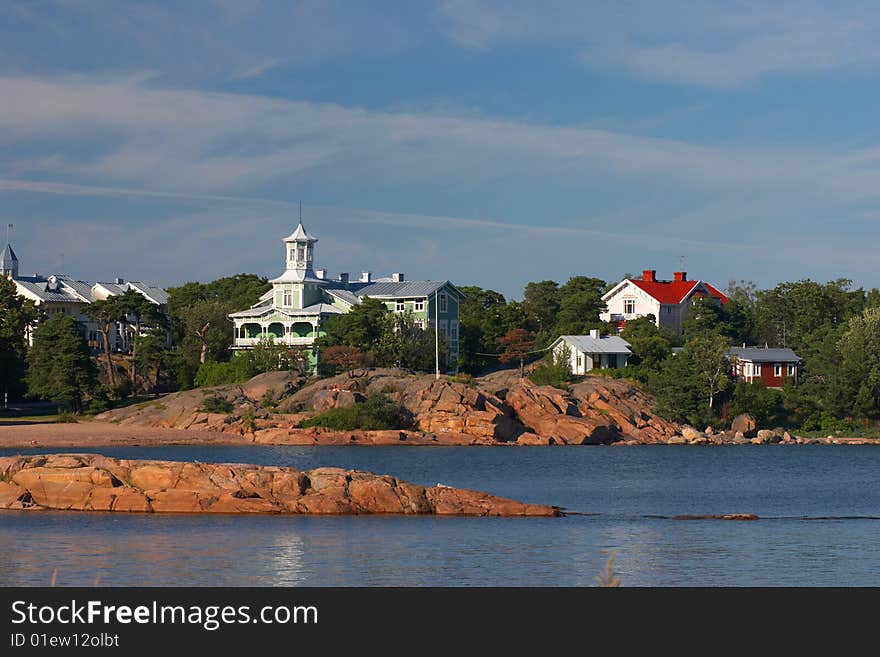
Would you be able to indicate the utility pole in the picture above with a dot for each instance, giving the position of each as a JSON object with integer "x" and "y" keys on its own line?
{"x": 436, "y": 335}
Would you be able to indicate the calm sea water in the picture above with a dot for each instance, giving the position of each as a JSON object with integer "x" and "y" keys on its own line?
{"x": 819, "y": 507}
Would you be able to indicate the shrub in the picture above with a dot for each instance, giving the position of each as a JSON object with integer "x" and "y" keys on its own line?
{"x": 763, "y": 403}
{"x": 554, "y": 370}
{"x": 237, "y": 370}
{"x": 464, "y": 378}
{"x": 66, "y": 418}
{"x": 375, "y": 414}
{"x": 215, "y": 404}
{"x": 268, "y": 400}
{"x": 247, "y": 419}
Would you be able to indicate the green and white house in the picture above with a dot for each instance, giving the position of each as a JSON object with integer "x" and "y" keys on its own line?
{"x": 301, "y": 299}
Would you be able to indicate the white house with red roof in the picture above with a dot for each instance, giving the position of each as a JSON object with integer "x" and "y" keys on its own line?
{"x": 667, "y": 301}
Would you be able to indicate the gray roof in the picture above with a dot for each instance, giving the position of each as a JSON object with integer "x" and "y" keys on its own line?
{"x": 112, "y": 288}
{"x": 39, "y": 287}
{"x": 311, "y": 311}
{"x": 607, "y": 344}
{"x": 8, "y": 256}
{"x": 344, "y": 295}
{"x": 386, "y": 289}
{"x": 764, "y": 354}
{"x": 82, "y": 288}
{"x": 157, "y": 294}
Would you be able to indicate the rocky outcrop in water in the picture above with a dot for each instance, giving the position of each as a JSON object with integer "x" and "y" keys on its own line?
{"x": 91, "y": 482}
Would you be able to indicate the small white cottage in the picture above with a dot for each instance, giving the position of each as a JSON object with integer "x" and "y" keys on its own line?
{"x": 591, "y": 352}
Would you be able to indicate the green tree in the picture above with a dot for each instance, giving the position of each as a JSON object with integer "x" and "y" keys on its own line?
{"x": 136, "y": 308}
{"x": 59, "y": 366}
{"x": 484, "y": 316}
{"x": 688, "y": 383}
{"x": 16, "y": 315}
{"x": 151, "y": 358}
{"x": 858, "y": 377}
{"x": 106, "y": 313}
{"x": 580, "y": 302}
{"x": 708, "y": 358}
{"x": 789, "y": 314}
{"x": 404, "y": 344}
{"x": 650, "y": 345}
{"x": 541, "y": 304}
{"x": 756, "y": 399}
{"x": 679, "y": 392}
{"x": 362, "y": 327}
{"x": 705, "y": 315}
{"x": 200, "y": 328}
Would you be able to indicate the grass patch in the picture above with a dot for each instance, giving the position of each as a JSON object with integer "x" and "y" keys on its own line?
{"x": 375, "y": 414}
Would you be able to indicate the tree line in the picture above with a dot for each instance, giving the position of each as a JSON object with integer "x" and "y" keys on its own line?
{"x": 833, "y": 327}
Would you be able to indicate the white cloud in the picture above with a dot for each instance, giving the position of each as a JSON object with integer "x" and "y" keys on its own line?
{"x": 699, "y": 42}
{"x": 194, "y": 142}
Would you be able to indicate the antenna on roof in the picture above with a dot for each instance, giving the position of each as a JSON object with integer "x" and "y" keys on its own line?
{"x": 8, "y": 230}
{"x": 681, "y": 263}
{"x": 300, "y": 212}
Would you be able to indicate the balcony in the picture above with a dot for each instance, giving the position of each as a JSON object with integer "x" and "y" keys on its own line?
{"x": 288, "y": 340}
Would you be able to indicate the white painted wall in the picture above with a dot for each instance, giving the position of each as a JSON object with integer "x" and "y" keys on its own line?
{"x": 645, "y": 304}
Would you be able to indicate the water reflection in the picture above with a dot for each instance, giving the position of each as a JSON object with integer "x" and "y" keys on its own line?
{"x": 622, "y": 485}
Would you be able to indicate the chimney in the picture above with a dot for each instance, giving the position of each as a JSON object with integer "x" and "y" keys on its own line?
{"x": 321, "y": 273}
{"x": 680, "y": 276}
{"x": 649, "y": 275}
{"x": 397, "y": 277}
{"x": 366, "y": 276}
{"x": 119, "y": 281}
{"x": 594, "y": 333}
{"x": 343, "y": 278}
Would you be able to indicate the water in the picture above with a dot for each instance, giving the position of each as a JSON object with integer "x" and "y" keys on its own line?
{"x": 816, "y": 505}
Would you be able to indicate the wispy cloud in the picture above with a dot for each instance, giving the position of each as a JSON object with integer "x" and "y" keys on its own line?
{"x": 193, "y": 142}
{"x": 699, "y": 42}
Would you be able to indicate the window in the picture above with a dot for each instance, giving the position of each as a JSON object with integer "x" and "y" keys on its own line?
{"x": 777, "y": 370}
{"x": 443, "y": 302}
{"x": 300, "y": 253}
{"x": 420, "y": 323}
{"x": 791, "y": 370}
{"x": 419, "y": 306}
{"x": 629, "y": 306}
{"x": 442, "y": 328}
{"x": 292, "y": 256}
{"x": 579, "y": 361}
{"x": 288, "y": 298}
{"x": 400, "y": 306}
{"x": 453, "y": 330}
{"x": 757, "y": 367}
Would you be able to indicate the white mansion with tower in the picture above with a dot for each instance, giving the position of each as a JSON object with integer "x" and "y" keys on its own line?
{"x": 302, "y": 298}
{"x": 60, "y": 294}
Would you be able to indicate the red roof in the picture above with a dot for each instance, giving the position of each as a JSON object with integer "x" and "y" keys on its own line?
{"x": 675, "y": 291}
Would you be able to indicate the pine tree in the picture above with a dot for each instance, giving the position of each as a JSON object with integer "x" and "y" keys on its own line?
{"x": 59, "y": 367}
{"x": 16, "y": 314}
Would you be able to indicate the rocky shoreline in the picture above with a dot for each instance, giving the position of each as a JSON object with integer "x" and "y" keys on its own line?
{"x": 92, "y": 482}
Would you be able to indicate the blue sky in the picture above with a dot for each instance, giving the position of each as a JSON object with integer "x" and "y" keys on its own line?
{"x": 491, "y": 143}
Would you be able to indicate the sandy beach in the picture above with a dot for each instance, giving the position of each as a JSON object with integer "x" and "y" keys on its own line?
{"x": 103, "y": 434}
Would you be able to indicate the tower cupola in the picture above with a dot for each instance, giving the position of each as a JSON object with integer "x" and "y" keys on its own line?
{"x": 8, "y": 262}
